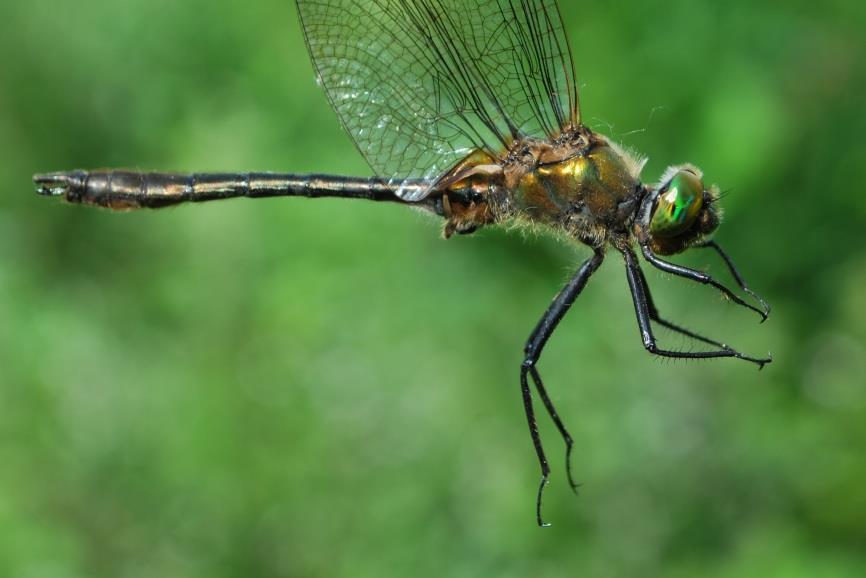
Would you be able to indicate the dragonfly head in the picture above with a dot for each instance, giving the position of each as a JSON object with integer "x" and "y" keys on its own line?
{"x": 680, "y": 211}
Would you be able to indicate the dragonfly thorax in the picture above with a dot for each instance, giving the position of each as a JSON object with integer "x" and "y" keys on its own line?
{"x": 592, "y": 194}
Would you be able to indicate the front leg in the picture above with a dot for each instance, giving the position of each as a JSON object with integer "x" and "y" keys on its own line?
{"x": 645, "y": 312}
{"x": 534, "y": 345}
{"x": 697, "y": 276}
{"x": 736, "y": 274}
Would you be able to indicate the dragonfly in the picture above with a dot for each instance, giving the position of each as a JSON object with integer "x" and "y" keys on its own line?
{"x": 469, "y": 110}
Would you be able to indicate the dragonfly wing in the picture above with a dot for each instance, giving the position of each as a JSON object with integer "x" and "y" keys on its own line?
{"x": 421, "y": 84}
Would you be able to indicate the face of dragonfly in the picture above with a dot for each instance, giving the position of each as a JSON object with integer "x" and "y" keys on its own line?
{"x": 684, "y": 211}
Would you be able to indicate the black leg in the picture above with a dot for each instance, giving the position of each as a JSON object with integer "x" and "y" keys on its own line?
{"x": 736, "y": 274}
{"x": 696, "y": 276}
{"x": 643, "y": 310}
{"x": 551, "y": 410}
{"x": 534, "y": 345}
{"x": 654, "y": 316}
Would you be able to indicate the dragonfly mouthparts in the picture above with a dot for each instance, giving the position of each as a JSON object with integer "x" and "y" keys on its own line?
{"x": 59, "y": 184}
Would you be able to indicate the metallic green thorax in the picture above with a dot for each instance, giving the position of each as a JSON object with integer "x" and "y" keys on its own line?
{"x": 583, "y": 194}
{"x": 678, "y": 205}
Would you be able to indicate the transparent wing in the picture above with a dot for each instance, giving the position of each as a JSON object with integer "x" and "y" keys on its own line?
{"x": 419, "y": 84}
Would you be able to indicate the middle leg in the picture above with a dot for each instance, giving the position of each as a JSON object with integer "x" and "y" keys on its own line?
{"x": 654, "y": 316}
{"x": 643, "y": 310}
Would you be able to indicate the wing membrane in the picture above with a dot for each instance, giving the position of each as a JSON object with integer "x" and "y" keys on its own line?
{"x": 419, "y": 84}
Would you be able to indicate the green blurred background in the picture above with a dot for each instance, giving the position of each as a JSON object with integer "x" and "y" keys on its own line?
{"x": 297, "y": 388}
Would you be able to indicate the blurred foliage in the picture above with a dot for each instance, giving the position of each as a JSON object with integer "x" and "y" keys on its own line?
{"x": 297, "y": 388}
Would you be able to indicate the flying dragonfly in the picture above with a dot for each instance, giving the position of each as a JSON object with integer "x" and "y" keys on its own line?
{"x": 469, "y": 109}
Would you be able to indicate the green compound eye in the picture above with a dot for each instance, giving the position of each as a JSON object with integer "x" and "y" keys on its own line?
{"x": 679, "y": 204}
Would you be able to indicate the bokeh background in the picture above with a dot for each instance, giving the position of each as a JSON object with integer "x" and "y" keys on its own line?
{"x": 326, "y": 388}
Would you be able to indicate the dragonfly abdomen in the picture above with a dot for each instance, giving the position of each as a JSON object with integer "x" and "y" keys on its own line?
{"x": 126, "y": 190}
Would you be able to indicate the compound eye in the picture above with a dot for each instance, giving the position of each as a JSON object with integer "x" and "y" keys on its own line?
{"x": 679, "y": 203}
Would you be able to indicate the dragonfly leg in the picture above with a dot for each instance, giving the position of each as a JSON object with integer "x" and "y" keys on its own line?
{"x": 646, "y": 313}
{"x": 654, "y": 316}
{"x": 697, "y": 276}
{"x": 736, "y": 274}
{"x": 534, "y": 345}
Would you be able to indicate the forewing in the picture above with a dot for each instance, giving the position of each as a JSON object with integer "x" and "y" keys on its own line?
{"x": 419, "y": 84}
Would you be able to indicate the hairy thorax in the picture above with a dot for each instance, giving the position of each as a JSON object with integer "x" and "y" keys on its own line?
{"x": 581, "y": 185}
{"x": 590, "y": 195}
